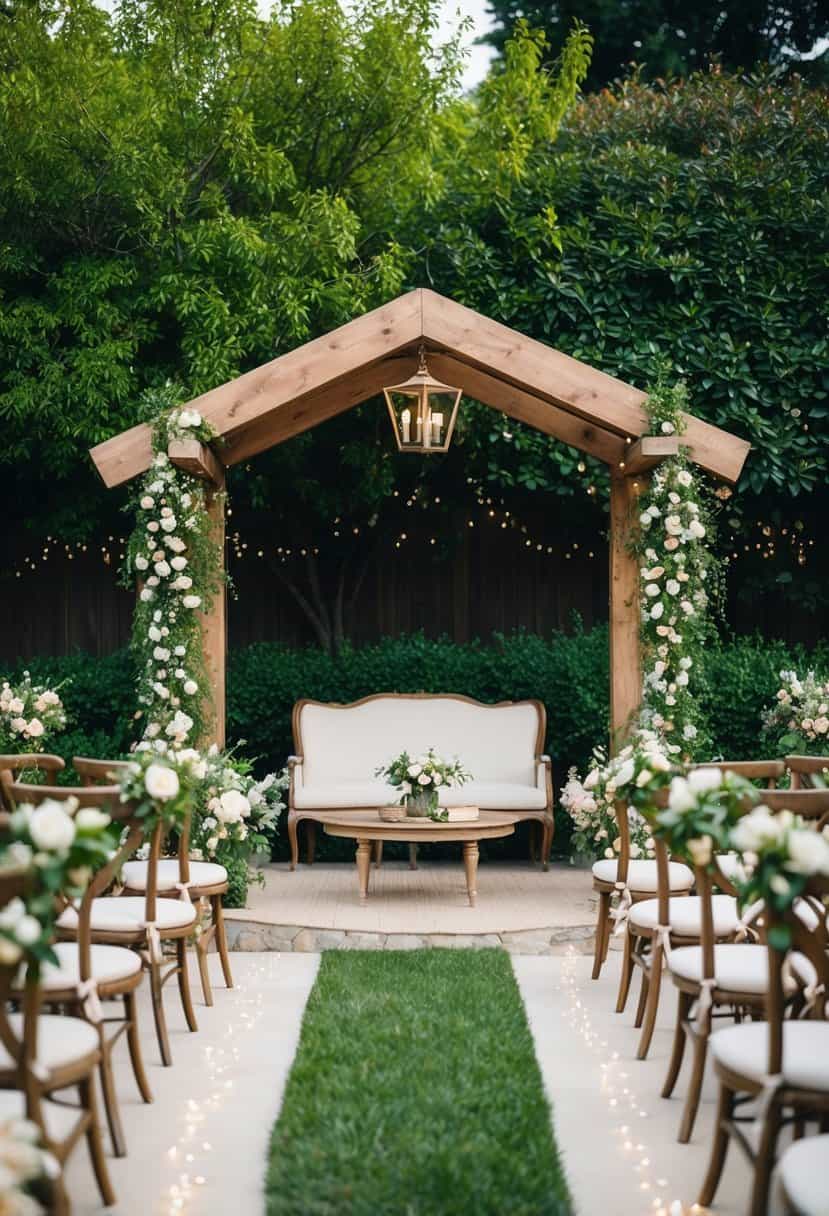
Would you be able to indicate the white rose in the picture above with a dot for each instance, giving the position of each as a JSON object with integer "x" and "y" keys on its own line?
{"x": 696, "y": 529}
{"x": 161, "y": 782}
{"x": 35, "y": 728}
{"x": 672, "y": 587}
{"x": 701, "y": 780}
{"x": 591, "y": 779}
{"x": 161, "y": 654}
{"x": 191, "y": 687}
{"x": 152, "y": 526}
{"x": 91, "y": 819}
{"x": 233, "y": 806}
{"x": 180, "y": 650}
{"x": 701, "y": 850}
{"x": 682, "y": 678}
{"x": 141, "y": 563}
{"x": 680, "y": 797}
{"x": 169, "y": 524}
{"x": 183, "y": 582}
{"x": 16, "y": 705}
{"x": 424, "y": 779}
{"x": 657, "y": 611}
{"x": 756, "y": 830}
{"x": 668, "y": 428}
{"x": 50, "y": 828}
{"x": 175, "y": 543}
{"x": 178, "y": 563}
{"x": 154, "y": 633}
{"x": 684, "y": 478}
{"x": 652, "y": 589}
{"x": 162, "y": 569}
{"x": 673, "y": 525}
{"x": 27, "y": 930}
{"x": 191, "y": 601}
{"x": 147, "y": 503}
{"x": 414, "y": 770}
{"x": 644, "y": 777}
{"x": 645, "y": 519}
{"x": 624, "y": 773}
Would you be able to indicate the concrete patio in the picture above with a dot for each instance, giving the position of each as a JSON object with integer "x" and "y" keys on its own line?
{"x": 520, "y": 907}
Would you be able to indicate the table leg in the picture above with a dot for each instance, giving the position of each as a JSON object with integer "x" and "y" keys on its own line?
{"x": 363, "y": 867}
{"x": 470, "y": 861}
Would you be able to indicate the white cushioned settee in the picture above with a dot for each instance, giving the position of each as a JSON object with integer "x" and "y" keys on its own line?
{"x": 340, "y": 747}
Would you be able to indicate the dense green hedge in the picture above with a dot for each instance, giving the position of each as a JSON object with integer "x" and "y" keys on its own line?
{"x": 568, "y": 672}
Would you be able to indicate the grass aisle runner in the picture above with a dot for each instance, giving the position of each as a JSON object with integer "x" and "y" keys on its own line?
{"x": 415, "y": 1092}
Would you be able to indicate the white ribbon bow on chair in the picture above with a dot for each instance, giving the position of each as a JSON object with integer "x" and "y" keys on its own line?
{"x": 743, "y": 927}
{"x": 705, "y": 1003}
{"x": 87, "y": 991}
{"x": 754, "y": 1131}
{"x": 183, "y": 889}
{"x": 621, "y": 912}
{"x": 663, "y": 938}
{"x": 153, "y": 941}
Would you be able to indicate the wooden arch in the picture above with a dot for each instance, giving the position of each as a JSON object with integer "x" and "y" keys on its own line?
{"x": 534, "y": 383}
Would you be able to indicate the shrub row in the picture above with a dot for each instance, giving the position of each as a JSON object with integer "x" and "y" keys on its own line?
{"x": 568, "y": 672}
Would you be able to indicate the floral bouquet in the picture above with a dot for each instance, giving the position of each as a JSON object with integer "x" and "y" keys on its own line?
{"x": 799, "y": 718}
{"x": 419, "y": 780}
{"x": 703, "y": 809}
{"x": 57, "y": 847}
{"x": 781, "y": 853}
{"x": 633, "y": 775}
{"x": 161, "y": 780}
{"x": 29, "y": 715}
{"x": 24, "y": 1167}
{"x": 235, "y": 814}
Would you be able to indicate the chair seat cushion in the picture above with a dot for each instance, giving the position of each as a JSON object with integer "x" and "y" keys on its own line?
{"x": 60, "y": 1120}
{"x": 685, "y": 915}
{"x": 109, "y": 965}
{"x": 804, "y": 1168}
{"x": 60, "y": 1040}
{"x": 744, "y": 1049}
{"x": 488, "y": 795}
{"x": 642, "y": 874}
{"x": 202, "y": 874}
{"x": 737, "y": 968}
{"x": 128, "y": 914}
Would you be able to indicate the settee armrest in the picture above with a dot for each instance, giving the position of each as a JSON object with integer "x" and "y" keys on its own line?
{"x": 544, "y": 776}
{"x": 295, "y": 775}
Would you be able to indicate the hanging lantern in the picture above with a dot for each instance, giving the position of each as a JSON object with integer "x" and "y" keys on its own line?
{"x": 422, "y": 411}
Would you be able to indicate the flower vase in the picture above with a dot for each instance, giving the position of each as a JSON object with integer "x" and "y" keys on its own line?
{"x": 422, "y": 804}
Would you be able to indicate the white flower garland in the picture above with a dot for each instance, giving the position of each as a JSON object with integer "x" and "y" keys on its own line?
{"x": 172, "y": 551}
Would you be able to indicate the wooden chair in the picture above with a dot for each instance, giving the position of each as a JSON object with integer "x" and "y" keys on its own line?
{"x": 631, "y": 881}
{"x": 41, "y": 1054}
{"x": 88, "y": 974}
{"x": 804, "y": 769}
{"x": 13, "y": 767}
{"x": 203, "y": 880}
{"x": 782, "y": 1063}
{"x": 142, "y": 923}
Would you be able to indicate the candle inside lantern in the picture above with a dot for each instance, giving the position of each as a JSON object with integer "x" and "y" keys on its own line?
{"x": 437, "y": 427}
{"x": 406, "y": 423}
{"x": 427, "y": 428}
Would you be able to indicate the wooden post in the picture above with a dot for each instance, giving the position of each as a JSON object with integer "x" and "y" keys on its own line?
{"x": 214, "y": 625}
{"x": 625, "y": 659}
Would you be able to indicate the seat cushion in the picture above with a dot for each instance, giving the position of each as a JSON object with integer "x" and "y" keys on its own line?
{"x": 642, "y": 874}
{"x": 109, "y": 965}
{"x": 60, "y": 1040}
{"x": 488, "y": 795}
{"x": 685, "y": 915}
{"x": 202, "y": 874}
{"x": 127, "y": 914}
{"x": 737, "y": 968}
{"x": 60, "y": 1120}
{"x": 804, "y": 1168}
{"x": 744, "y": 1049}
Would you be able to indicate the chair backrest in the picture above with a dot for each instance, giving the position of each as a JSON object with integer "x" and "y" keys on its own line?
{"x": 811, "y": 941}
{"x": 98, "y": 772}
{"x": 620, "y": 806}
{"x": 108, "y": 798}
{"x": 804, "y": 769}
{"x": 22, "y": 1047}
{"x": 13, "y": 766}
{"x": 810, "y": 804}
{"x": 769, "y": 771}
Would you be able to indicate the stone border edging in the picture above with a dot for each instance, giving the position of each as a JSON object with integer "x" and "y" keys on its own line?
{"x": 256, "y": 936}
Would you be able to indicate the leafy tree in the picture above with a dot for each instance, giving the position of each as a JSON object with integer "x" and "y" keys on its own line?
{"x": 669, "y": 37}
{"x": 692, "y": 227}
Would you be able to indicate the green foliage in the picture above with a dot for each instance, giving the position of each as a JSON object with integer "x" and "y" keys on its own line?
{"x": 669, "y": 38}
{"x": 391, "y": 1129}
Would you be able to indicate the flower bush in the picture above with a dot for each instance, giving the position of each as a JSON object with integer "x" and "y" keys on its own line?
{"x": 703, "y": 808}
{"x": 639, "y": 769}
{"x": 235, "y": 815}
{"x": 30, "y": 714}
{"x": 173, "y": 553}
{"x": 798, "y": 719}
{"x": 57, "y": 847}
{"x": 420, "y": 778}
{"x": 781, "y": 853}
{"x": 677, "y": 574}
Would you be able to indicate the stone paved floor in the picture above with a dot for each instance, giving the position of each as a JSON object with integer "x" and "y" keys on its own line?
{"x": 317, "y": 908}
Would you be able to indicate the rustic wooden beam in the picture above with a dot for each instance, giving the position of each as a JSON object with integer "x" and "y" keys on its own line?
{"x": 625, "y": 658}
{"x": 214, "y": 626}
{"x": 308, "y": 411}
{"x": 196, "y": 458}
{"x": 647, "y": 452}
{"x": 526, "y": 407}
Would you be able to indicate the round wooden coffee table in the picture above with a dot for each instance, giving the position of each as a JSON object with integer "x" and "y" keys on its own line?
{"x": 366, "y": 826}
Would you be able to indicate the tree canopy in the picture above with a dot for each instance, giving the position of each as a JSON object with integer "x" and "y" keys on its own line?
{"x": 670, "y": 38}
